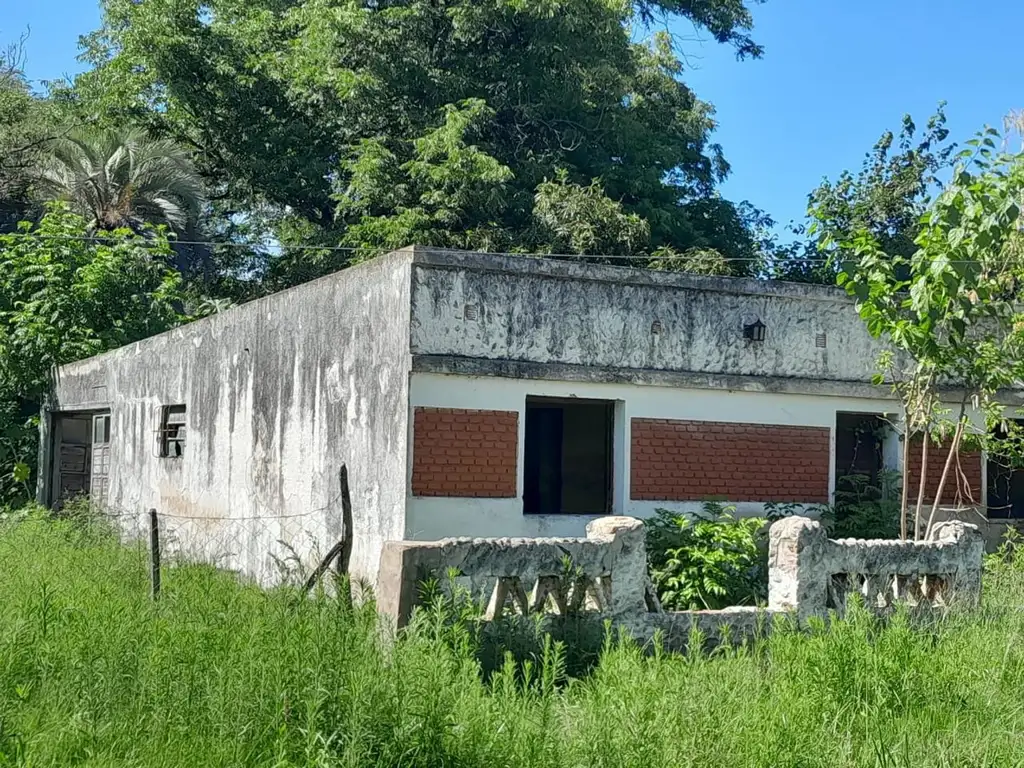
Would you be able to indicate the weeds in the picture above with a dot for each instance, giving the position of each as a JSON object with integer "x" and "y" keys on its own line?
{"x": 219, "y": 673}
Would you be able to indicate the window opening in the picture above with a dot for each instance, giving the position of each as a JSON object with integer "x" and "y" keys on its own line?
{"x": 568, "y": 456}
{"x": 172, "y": 432}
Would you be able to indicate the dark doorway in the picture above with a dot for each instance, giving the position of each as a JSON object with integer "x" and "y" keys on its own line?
{"x": 859, "y": 440}
{"x": 568, "y": 457}
{"x": 1005, "y": 482}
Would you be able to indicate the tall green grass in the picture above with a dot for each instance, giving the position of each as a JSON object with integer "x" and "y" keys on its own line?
{"x": 218, "y": 673}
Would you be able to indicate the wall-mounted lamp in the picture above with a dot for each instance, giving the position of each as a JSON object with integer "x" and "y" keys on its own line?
{"x": 755, "y": 331}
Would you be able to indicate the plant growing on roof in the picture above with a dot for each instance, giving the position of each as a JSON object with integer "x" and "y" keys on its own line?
{"x": 949, "y": 310}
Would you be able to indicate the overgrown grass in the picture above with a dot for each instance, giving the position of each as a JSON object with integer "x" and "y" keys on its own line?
{"x": 221, "y": 674}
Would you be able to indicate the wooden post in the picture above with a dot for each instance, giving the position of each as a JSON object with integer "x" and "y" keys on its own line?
{"x": 342, "y": 551}
{"x": 154, "y": 553}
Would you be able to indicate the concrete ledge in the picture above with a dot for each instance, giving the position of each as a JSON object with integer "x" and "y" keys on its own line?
{"x": 523, "y": 369}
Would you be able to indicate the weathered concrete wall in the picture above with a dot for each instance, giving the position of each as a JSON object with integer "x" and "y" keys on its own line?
{"x": 812, "y": 575}
{"x": 280, "y": 392}
{"x": 562, "y": 313}
{"x": 608, "y": 577}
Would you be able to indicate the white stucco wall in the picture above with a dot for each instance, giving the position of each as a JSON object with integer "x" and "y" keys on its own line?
{"x": 548, "y": 312}
{"x": 280, "y": 393}
{"x": 432, "y": 518}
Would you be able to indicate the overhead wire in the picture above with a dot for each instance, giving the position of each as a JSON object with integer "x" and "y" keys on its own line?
{"x": 458, "y": 251}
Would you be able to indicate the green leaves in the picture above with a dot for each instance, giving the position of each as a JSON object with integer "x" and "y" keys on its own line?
{"x": 949, "y": 309}
{"x": 713, "y": 560}
{"x": 386, "y": 124}
{"x": 65, "y": 295}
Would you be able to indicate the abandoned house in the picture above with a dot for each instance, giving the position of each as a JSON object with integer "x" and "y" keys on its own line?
{"x": 480, "y": 395}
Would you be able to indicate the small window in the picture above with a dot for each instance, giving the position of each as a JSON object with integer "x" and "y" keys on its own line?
{"x": 101, "y": 429}
{"x": 568, "y": 457}
{"x": 172, "y": 432}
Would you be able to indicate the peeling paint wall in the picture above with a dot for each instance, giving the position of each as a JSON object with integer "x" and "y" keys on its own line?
{"x": 280, "y": 392}
{"x": 549, "y": 312}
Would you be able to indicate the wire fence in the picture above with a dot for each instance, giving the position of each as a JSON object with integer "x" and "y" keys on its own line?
{"x": 268, "y": 548}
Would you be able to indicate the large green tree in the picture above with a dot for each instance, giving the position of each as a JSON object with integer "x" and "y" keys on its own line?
{"x": 498, "y": 124}
{"x": 886, "y": 198}
{"x": 63, "y": 297}
{"x": 26, "y": 124}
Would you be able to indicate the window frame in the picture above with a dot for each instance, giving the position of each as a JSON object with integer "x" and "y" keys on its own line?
{"x": 173, "y": 433}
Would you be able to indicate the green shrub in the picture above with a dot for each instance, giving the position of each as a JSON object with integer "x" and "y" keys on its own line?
{"x": 865, "y": 508}
{"x": 711, "y": 561}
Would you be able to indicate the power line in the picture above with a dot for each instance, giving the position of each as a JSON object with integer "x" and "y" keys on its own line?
{"x": 426, "y": 249}
{"x": 380, "y": 251}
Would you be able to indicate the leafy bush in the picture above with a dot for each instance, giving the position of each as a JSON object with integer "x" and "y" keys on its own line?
{"x": 866, "y": 509}
{"x": 712, "y": 561}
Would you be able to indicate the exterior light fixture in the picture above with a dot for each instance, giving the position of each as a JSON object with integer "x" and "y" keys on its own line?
{"x": 755, "y": 331}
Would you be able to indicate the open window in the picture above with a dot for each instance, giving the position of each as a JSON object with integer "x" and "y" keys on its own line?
{"x": 568, "y": 456}
{"x": 1005, "y": 482}
{"x": 172, "y": 432}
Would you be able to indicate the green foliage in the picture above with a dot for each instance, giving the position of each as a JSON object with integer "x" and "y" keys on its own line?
{"x": 121, "y": 180}
{"x": 26, "y": 121}
{"x": 950, "y": 309}
{"x": 220, "y": 673}
{"x": 866, "y": 508}
{"x": 711, "y": 561}
{"x": 457, "y": 124}
{"x": 64, "y": 297}
{"x": 886, "y": 198}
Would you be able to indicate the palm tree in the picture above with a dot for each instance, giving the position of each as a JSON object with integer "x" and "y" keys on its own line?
{"x": 118, "y": 179}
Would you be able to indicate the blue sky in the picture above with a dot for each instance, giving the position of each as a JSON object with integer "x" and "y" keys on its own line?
{"x": 835, "y": 75}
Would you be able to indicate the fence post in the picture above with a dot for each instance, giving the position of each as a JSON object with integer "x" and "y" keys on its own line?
{"x": 154, "y": 553}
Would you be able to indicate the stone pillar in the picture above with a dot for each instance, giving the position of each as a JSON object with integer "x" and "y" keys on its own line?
{"x": 966, "y": 581}
{"x": 797, "y": 580}
{"x": 627, "y": 562}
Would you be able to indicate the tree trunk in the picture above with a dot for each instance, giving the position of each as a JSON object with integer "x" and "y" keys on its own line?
{"x": 921, "y": 487}
{"x": 954, "y": 449}
{"x": 906, "y": 479}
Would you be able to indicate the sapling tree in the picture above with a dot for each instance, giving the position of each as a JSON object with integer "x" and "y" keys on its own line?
{"x": 949, "y": 311}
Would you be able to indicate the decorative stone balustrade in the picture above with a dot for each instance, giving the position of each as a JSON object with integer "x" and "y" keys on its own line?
{"x": 811, "y": 575}
{"x": 605, "y": 576}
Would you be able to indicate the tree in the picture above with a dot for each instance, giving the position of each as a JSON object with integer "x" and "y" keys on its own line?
{"x": 887, "y": 198}
{"x": 64, "y": 297}
{"x": 121, "y": 180}
{"x": 25, "y": 126}
{"x": 443, "y": 123}
{"x": 950, "y": 310}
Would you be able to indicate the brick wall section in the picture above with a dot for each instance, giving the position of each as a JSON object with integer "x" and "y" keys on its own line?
{"x": 700, "y": 460}
{"x": 964, "y": 489}
{"x": 464, "y": 453}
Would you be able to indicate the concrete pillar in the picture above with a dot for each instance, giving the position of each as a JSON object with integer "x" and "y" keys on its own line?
{"x": 796, "y": 580}
{"x": 627, "y": 561}
{"x": 966, "y": 582}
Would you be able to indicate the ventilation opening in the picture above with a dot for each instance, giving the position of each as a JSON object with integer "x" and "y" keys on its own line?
{"x": 568, "y": 457}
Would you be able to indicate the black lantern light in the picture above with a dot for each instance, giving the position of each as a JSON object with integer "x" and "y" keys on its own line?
{"x": 755, "y": 331}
